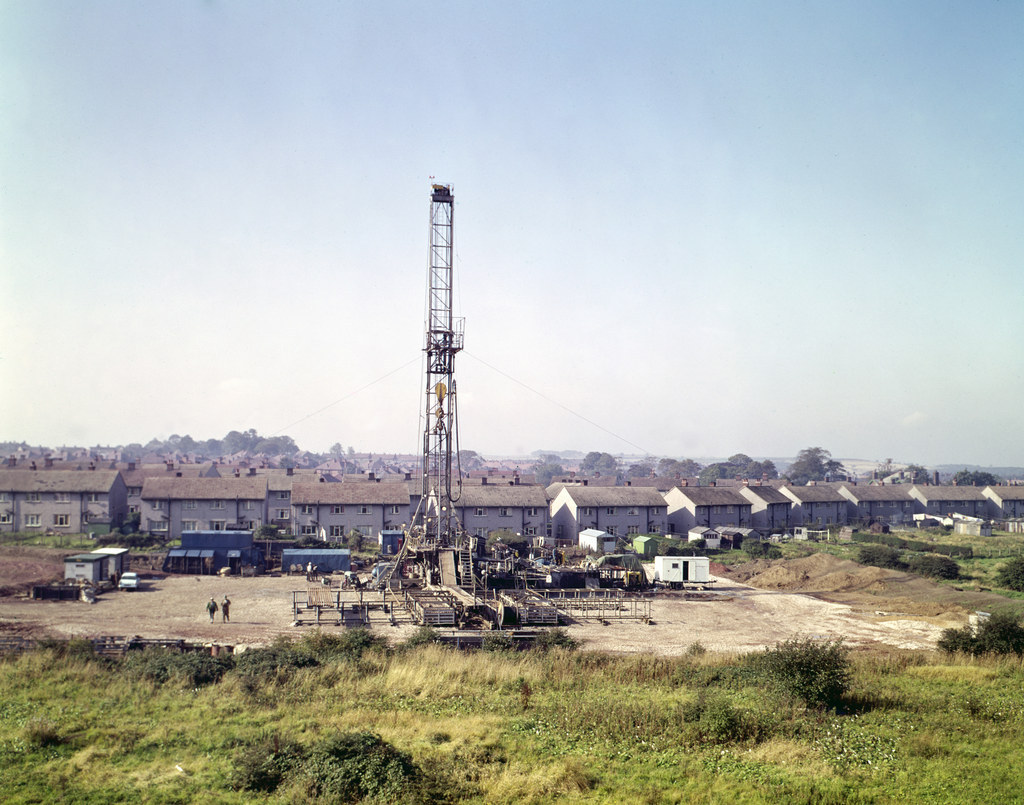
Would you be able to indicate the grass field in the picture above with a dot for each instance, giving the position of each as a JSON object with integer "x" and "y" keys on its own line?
{"x": 499, "y": 727}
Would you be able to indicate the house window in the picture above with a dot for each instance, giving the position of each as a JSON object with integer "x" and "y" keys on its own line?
{"x": 218, "y": 504}
{"x": 31, "y": 520}
{"x": 395, "y": 510}
{"x": 306, "y": 508}
{"x": 610, "y": 511}
{"x": 32, "y": 497}
{"x": 481, "y": 532}
{"x": 5, "y": 497}
{"x": 633, "y": 511}
{"x": 633, "y": 529}
{"x": 587, "y": 512}
{"x": 560, "y": 530}
{"x": 62, "y": 497}
{"x": 158, "y": 505}
{"x": 337, "y": 509}
{"x": 654, "y": 529}
{"x": 61, "y": 520}
{"x": 284, "y": 494}
{"x": 247, "y": 505}
{"x": 95, "y": 497}
{"x": 364, "y": 509}
{"x": 217, "y": 525}
{"x": 337, "y": 530}
{"x": 189, "y": 525}
{"x": 282, "y": 514}
{"x": 134, "y": 491}
{"x": 728, "y": 509}
{"x": 530, "y": 531}
{"x": 611, "y": 530}
{"x": 157, "y": 525}
{"x": 309, "y": 530}
{"x": 134, "y": 509}
{"x": 189, "y": 504}
{"x": 504, "y": 513}
{"x": 6, "y": 518}
{"x": 480, "y": 512}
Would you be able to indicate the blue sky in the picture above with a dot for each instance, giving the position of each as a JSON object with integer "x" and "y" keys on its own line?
{"x": 705, "y": 227}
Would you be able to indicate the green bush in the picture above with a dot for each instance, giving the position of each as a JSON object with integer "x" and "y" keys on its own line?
{"x": 761, "y": 550}
{"x": 816, "y": 672}
{"x": 555, "y": 638}
{"x": 930, "y": 564}
{"x": 880, "y": 556}
{"x": 1011, "y": 575}
{"x": 497, "y": 641}
{"x": 423, "y": 636}
{"x": 348, "y": 645}
{"x": 355, "y": 767}
{"x": 1001, "y": 633}
{"x": 265, "y": 765}
{"x": 190, "y": 668}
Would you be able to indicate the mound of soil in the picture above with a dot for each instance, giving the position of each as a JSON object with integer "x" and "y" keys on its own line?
{"x": 22, "y": 567}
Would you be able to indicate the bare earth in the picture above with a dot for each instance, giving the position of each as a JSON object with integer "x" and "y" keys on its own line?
{"x": 819, "y": 596}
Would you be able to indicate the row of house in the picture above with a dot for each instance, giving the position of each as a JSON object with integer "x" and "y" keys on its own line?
{"x": 171, "y": 501}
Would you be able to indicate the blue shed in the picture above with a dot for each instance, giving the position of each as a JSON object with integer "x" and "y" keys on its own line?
{"x": 335, "y": 560}
{"x": 206, "y": 552}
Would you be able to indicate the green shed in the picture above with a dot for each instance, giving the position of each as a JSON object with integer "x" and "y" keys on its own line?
{"x": 645, "y": 546}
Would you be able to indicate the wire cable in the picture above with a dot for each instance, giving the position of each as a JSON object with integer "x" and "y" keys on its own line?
{"x": 566, "y": 408}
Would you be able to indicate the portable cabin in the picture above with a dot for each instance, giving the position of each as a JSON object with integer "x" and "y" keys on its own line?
{"x": 334, "y": 560}
{"x": 85, "y": 567}
{"x": 680, "y": 570}
{"x": 592, "y": 539}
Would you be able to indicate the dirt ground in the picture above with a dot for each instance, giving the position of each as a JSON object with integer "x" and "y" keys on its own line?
{"x": 753, "y": 606}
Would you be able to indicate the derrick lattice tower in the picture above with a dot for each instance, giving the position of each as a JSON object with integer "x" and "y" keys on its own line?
{"x": 444, "y": 338}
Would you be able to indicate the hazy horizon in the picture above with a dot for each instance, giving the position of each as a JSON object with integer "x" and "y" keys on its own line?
{"x": 682, "y": 229}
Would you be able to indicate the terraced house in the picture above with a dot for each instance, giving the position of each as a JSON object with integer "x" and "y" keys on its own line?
{"x": 491, "y": 507}
{"x": 331, "y": 511}
{"x": 890, "y": 504}
{"x": 815, "y": 506}
{"x": 707, "y": 506}
{"x": 622, "y": 511}
{"x": 63, "y": 501}
{"x": 173, "y": 505}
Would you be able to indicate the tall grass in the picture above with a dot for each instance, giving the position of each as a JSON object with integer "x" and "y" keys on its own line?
{"x": 555, "y": 726}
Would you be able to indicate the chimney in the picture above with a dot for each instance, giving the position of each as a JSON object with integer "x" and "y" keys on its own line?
{"x": 483, "y": 481}
{"x": 746, "y": 482}
{"x": 12, "y": 461}
{"x": 131, "y": 466}
{"x": 289, "y": 471}
{"x": 936, "y": 478}
{"x": 515, "y": 481}
{"x": 252, "y": 472}
{"x": 684, "y": 482}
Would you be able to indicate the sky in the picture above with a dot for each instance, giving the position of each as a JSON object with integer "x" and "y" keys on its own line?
{"x": 683, "y": 229}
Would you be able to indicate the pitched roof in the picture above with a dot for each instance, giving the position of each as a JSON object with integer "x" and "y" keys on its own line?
{"x": 949, "y": 492}
{"x": 615, "y": 496}
{"x": 1007, "y": 492}
{"x": 366, "y": 492}
{"x": 247, "y": 488}
{"x": 769, "y": 494}
{"x": 813, "y": 494}
{"x": 711, "y": 496}
{"x": 488, "y": 495}
{"x": 898, "y": 492}
{"x": 57, "y": 480}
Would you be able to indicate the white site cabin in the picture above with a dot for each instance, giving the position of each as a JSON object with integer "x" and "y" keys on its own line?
{"x": 677, "y": 571}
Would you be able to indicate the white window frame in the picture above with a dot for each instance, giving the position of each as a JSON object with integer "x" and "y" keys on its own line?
{"x": 218, "y": 525}
{"x": 62, "y": 497}
{"x": 283, "y": 494}
{"x": 309, "y": 530}
{"x": 337, "y": 509}
{"x": 307, "y": 508}
{"x": 364, "y": 510}
{"x": 61, "y": 520}
{"x": 337, "y": 530}
{"x": 6, "y": 518}
{"x": 217, "y": 504}
{"x": 190, "y": 505}
{"x": 480, "y": 512}
{"x": 32, "y": 497}
{"x": 189, "y": 525}
{"x": 283, "y": 514}
{"x": 395, "y": 510}
{"x": 503, "y": 512}
{"x": 32, "y": 521}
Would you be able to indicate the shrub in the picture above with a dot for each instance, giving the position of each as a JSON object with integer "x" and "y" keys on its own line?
{"x": 191, "y": 668}
{"x": 816, "y": 672}
{"x": 759, "y": 550}
{"x": 696, "y": 649}
{"x": 1001, "y": 633}
{"x": 1011, "y": 575}
{"x": 348, "y": 645}
{"x": 265, "y": 765}
{"x": 555, "y": 638}
{"x": 283, "y": 655}
{"x": 40, "y": 732}
{"x": 357, "y": 766}
{"x": 497, "y": 641}
{"x": 930, "y": 564}
{"x": 879, "y": 556}
{"x": 423, "y": 636}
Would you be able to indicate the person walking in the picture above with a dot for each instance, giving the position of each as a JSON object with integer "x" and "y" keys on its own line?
{"x": 211, "y": 607}
{"x": 225, "y": 606}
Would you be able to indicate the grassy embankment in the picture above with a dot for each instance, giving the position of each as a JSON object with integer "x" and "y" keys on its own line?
{"x": 495, "y": 727}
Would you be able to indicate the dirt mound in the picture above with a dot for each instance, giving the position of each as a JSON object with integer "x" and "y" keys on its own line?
{"x": 21, "y": 567}
{"x": 819, "y": 572}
